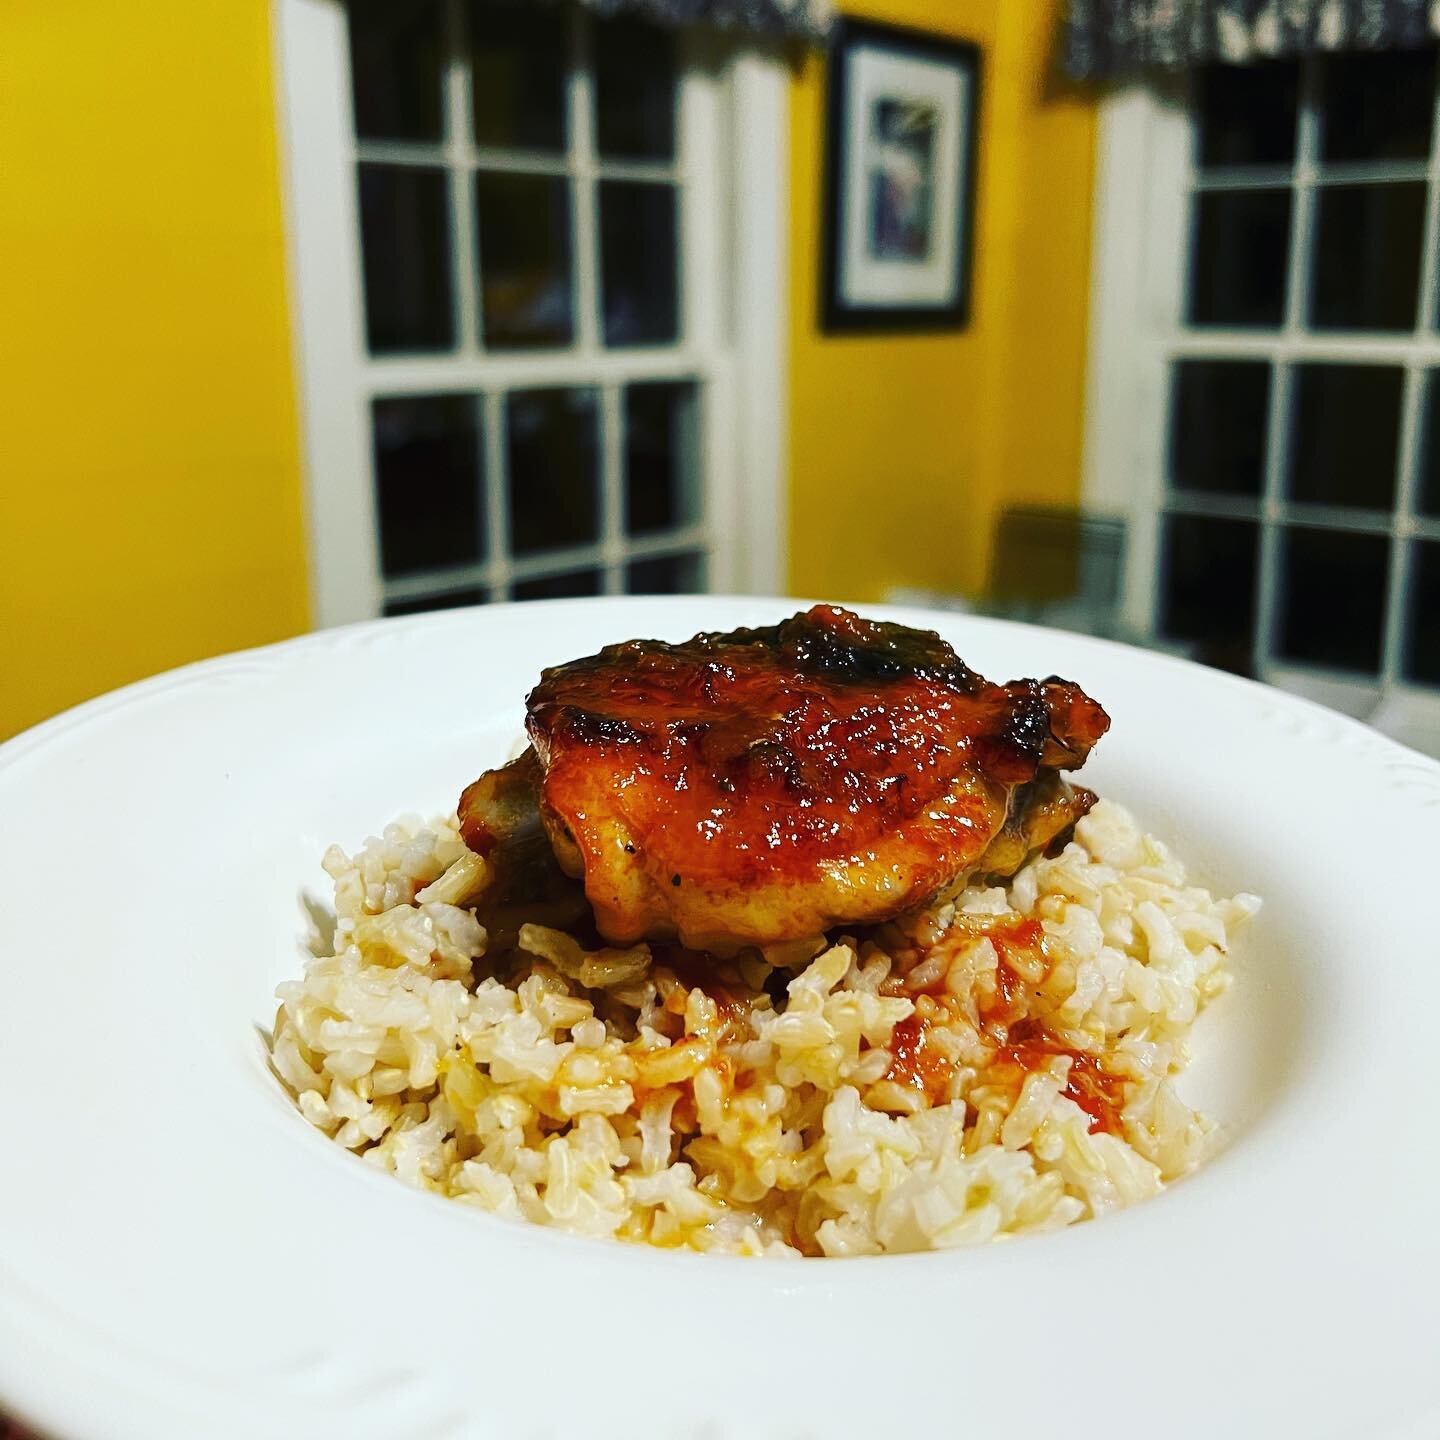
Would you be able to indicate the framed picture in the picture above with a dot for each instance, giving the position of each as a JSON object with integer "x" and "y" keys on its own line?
{"x": 899, "y": 179}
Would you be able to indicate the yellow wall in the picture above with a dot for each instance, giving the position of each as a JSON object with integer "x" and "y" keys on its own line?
{"x": 903, "y": 449}
{"x": 150, "y": 500}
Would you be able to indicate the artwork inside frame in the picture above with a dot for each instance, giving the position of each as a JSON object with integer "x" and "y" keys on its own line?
{"x": 901, "y": 121}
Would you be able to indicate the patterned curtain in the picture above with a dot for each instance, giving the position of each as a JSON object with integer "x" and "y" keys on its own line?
{"x": 805, "y": 19}
{"x": 1112, "y": 37}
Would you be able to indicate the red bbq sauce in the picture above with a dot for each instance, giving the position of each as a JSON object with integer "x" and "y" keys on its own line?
{"x": 914, "y": 1064}
{"x": 1094, "y": 1089}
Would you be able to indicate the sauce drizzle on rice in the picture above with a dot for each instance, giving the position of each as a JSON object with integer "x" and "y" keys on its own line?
{"x": 1100, "y": 1094}
{"x": 916, "y": 1064}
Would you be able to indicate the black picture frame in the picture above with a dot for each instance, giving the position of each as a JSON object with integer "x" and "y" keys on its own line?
{"x": 839, "y": 314}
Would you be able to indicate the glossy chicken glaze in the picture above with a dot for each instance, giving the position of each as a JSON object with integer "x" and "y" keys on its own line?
{"x": 766, "y": 785}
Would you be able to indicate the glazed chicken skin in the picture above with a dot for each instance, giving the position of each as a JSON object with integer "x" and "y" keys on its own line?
{"x": 767, "y": 785}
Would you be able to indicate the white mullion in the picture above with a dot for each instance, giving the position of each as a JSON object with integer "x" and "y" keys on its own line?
{"x": 1334, "y": 517}
{"x": 1284, "y": 512}
{"x": 665, "y": 544}
{"x": 464, "y": 261}
{"x": 1243, "y": 177}
{"x": 1372, "y": 348}
{"x": 1268, "y": 578}
{"x": 426, "y": 153}
{"x": 1214, "y": 506}
{"x": 546, "y": 564}
{"x": 1400, "y": 526}
{"x": 524, "y": 370}
{"x": 1317, "y": 172}
{"x": 540, "y": 162}
{"x": 1282, "y": 374}
{"x": 520, "y": 162}
{"x": 612, "y": 499}
{"x": 485, "y": 545}
{"x": 429, "y": 155}
{"x": 1407, "y": 480}
{"x": 497, "y": 491}
{"x": 584, "y": 221}
{"x": 649, "y": 172}
{"x": 443, "y": 580}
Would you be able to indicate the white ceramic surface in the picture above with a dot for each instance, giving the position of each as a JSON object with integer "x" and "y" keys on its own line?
{"x": 181, "y": 1255}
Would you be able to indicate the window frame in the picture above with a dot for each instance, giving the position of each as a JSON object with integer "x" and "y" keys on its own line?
{"x": 733, "y": 113}
{"x": 1146, "y": 172}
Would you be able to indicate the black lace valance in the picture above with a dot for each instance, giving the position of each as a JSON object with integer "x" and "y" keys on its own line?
{"x": 805, "y": 19}
{"x": 1115, "y": 37}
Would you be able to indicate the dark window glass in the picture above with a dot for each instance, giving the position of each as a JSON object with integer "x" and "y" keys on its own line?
{"x": 552, "y": 445}
{"x": 1428, "y": 496}
{"x": 1367, "y": 256}
{"x": 1207, "y": 595}
{"x": 559, "y": 587}
{"x": 1346, "y": 434}
{"x": 1377, "y": 106}
{"x": 662, "y": 481}
{"x": 427, "y": 481}
{"x": 1217, "y": 426}
{"x": 1332, "y": 598}
{"x": 519, "y": 55}
{"x": 396, "y": 54}
{"x": 634, "y": 91}
{"x": 405, "y": 244}
{"x": 1247, "y": 113}
{"x": 666, "y": 575}
{"x": 451, "y": 600}
{"x": 638, "y": 253}
{"x": 1238, "y": 269}
{"x": 524, "y": 242}
{"x": 1422, "y": 644}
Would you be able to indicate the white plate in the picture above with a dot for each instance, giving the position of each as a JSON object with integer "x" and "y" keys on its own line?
{"x": 181, "y": 1255}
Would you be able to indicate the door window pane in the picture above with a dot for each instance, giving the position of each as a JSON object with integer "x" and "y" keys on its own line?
{"x": 1219, "y": 416}
{"x": 666, "y": 575}
{"x": 427, "y": 479}
{"x": 524, "y": 241}
{"x": 451, "y": 600}
{"x": 638, "y": 244}
{"x": 1346, "y": 435}
{"x": 1238, "y": 269}
{"x": 1377, "y": 106}
{"x": 1367, "y": 256}
{"x": 662, "y": 456}
{"x": 1427, "y": 500}
{"x": 1207, "y": 595}
{"x": 519, "y": 55}
{"x": 1332, "y": 598}
{"x": 396, "y": 53}
{"x": 634, "y": 91}
{"x": 552, "y": 446}
{"x": 405, "y": 249}
{"x": 559, "y": 587}
{"x": 1247, "y": 113}
{"x": 1422, "y": 645}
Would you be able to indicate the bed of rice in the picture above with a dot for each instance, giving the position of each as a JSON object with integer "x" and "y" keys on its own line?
{"x": 764, "y": 1113}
